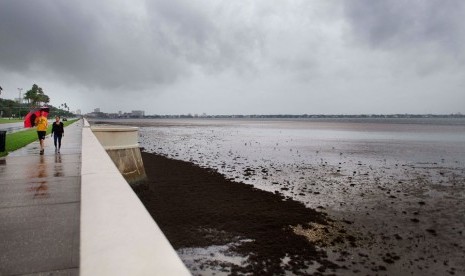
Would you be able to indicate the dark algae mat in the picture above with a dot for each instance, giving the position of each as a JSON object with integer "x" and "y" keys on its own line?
{"x": 198, "y": 207}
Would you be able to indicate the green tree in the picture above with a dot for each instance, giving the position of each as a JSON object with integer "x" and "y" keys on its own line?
{"x": 41, "y": 97}
{"x": 64, "y": 106}
{"x": 31, "y": 95}
{"x": 35, "y": 96}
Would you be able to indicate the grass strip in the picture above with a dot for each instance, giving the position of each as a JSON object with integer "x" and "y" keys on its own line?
{"x": 20, "y": 139}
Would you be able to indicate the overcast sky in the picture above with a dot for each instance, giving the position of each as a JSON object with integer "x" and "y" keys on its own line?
{"x": 237, "y": 57}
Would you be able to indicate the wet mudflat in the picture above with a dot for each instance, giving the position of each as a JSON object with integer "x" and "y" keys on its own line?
{"x": 392, "y": 195}
{"x": 245, "y": 230}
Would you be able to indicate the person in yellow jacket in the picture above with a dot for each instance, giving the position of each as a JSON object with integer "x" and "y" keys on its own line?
{"x": 42, "y": 123}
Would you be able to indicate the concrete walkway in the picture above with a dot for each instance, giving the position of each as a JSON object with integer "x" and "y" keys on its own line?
{"x": 40, "y": 208}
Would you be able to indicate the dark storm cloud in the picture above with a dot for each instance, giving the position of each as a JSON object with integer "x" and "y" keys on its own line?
{"x": 399, "y": 24}
{"x": 79, "y": 41}
{"x": 204, "y": 33}
{"x": 288, "y": 52}
{"x": 98, "y": 45}
{"x": 44, "y": 33}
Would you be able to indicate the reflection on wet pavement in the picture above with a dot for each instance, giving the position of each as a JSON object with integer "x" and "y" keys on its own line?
{"x": 12, "y": 127}
{"x": 58, "y": 168}
{"x": 40, "y": 187}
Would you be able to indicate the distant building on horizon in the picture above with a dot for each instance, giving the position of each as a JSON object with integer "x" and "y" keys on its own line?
{"x": 137, "y": 113}
{"x": 97, "y": 110}
{"x": 78, "y": 112}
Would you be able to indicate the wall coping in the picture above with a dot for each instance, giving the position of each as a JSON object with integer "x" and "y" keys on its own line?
{"x": 118, "y": 236}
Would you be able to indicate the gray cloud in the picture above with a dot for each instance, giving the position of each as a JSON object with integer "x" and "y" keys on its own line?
{"x": 101, "y": 46}
{"x": 289, "y": 53}
{"x": 399, "y": 24}
{"x": 203, "y": 34}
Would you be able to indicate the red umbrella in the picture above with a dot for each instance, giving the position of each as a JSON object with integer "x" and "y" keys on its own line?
{"x": 29, "y": 120}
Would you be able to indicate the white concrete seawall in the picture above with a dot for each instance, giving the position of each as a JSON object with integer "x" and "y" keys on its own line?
{"x": 121, "y": 144}
{"x": 118, "y": 235}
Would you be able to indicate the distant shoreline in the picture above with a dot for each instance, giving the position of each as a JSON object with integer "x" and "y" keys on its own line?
{"x": 149, "y": 121}
{"x": 101, "y": 115}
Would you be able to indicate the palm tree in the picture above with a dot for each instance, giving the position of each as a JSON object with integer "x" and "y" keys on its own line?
{"x": 31, "y": 95}
{"x": 36, "y": 95}
{"x": 42, "y": 98}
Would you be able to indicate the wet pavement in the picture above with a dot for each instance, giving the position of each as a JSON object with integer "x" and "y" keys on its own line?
{"x": 40, "y": 208}
{"x": 12, "y": 127}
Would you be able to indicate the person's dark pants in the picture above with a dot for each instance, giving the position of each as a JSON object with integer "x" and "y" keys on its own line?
{"x": 57, "y": 137}
{"x": 41, "y": 135}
